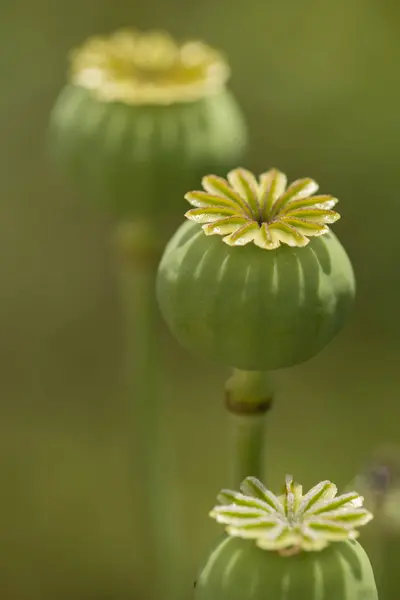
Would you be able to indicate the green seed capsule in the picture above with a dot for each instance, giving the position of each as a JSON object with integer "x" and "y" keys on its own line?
{"x": 143, "y": 118}
{"x": 238, "y": 570}
{"x": 294, "y": 546}
{"x": 265, "y": 305}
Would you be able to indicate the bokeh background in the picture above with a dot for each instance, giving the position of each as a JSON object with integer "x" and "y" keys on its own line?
{"x": 318, "y": 82}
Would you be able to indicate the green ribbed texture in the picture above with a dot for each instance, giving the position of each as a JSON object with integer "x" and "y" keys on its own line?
{"x": 238, "y": 570}
{"x": 141, "y": 160}
{"x": 251, "y": 308}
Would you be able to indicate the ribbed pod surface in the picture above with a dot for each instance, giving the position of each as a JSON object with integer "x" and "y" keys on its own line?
{"x": 251, "y": 308}
{"x": 238, "y": 570}
{"x": 138, "y": 158}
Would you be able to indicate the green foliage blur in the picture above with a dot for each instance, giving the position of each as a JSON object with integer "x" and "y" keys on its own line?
{"x": 319, "y": 84}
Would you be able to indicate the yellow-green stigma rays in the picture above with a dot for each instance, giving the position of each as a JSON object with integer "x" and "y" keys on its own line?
{"x": 264, "y": 211}
{"x": 291, "y": 522}
{"x": 136, "y": 67}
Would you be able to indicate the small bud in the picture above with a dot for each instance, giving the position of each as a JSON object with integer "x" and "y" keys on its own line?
{"x": 379, "y": 482}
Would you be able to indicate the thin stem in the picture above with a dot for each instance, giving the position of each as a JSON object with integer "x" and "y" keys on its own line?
{"x": 387, "y": 575}
{"x": 248, "y": 434}
{"x": 154, "y": 484}
{"x": 248, "y": 399}
{"x": 382, "y": 542}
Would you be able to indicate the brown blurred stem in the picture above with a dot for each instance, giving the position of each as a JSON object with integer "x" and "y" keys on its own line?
{"x": 248, "y": 399}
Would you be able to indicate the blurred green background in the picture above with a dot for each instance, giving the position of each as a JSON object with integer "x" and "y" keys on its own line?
{"x": 319, "y": 84}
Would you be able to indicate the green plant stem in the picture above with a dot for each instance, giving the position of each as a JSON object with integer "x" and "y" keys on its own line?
{"x": 382, "y": 541}
{"x": 248, "y": 399}
{"x": 155, "y": 488}
{"x": 388, "y": 576}
{"x": 248, "y": 433}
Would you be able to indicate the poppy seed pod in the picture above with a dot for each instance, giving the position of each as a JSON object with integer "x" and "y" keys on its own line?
{"x": 379, "y": 482}
{"x": 274, "y": 290}
{"x": 142, "y": 119}
{"x": 291, "y": 547}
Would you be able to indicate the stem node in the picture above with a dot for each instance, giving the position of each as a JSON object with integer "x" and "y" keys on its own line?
{"x": 248, "y": 398}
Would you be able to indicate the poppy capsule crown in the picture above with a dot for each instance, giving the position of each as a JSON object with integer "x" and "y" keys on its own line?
{"x": 255, "y": 279}
{"x": 291, "y": 522}
{"x": 147, "y": 68}
{"x": 245, "y": 210}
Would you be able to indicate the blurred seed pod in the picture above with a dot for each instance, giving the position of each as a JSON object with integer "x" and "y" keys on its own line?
{"x": 274, "y": 290}
{"x": 289, "y": 547}
{"x": 379, "y": 483}
{"x": 142, "y": 118}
